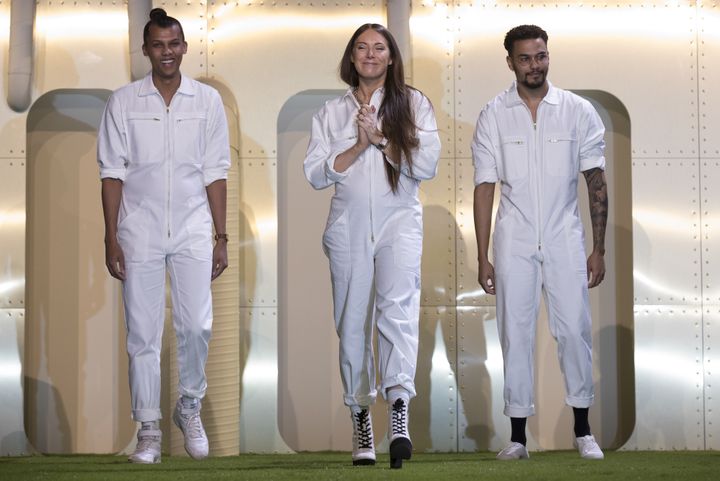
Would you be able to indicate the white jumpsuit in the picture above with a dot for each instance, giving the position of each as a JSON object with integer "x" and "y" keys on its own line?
{"x": 165, "y": 156}
{"x": 373, "y": 240}
{"x": 538, "y": 241}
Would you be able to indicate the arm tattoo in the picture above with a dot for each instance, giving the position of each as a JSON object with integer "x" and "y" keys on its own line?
{"x": 597, "y": 192}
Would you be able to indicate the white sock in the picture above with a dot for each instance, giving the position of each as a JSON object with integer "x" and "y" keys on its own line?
{"x": 356, "y": 409}
{"x": 150, "y": 425}
{"x": 398, "y": 393}
{"x": 189, "y": 402}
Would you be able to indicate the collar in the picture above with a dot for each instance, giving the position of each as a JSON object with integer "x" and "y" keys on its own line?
{"x": 351, "y": 90}
{"x": 513, "y": 97}
{"x": 147, "y": 87}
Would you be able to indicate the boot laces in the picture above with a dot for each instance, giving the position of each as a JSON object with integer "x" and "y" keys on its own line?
{"x": 399, "y": 417}
{"x": 193, "y": 425}
{"x": 146, "y": 443}
{"x": 364, "y": 429}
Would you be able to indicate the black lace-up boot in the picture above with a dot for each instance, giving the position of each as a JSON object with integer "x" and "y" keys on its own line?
{"x": 363, "y": 444}
{"x": 400, "y": 445}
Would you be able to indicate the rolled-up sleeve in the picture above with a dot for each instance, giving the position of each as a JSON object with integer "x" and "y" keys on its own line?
{"x": 426, "y": 156}
{"x": 112, "y": 152}
{"x": 217, "y": 148}
{"x": 484, "y": 151}
{"x": 320, "y": 157}
{"x": 592, "y": 147}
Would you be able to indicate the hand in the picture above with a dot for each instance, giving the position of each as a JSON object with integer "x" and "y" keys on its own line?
{"x": 595, "y": 269}
{"x": 115, "y": 259}
{"x": 367, "y": 122}
{"x": 220, "y": 259}
{"x": 486, "y": 277}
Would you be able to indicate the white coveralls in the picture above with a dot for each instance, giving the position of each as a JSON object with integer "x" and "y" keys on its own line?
{"x": 373, "y": 240}
{"x": 538, "y": 242}
{"x": 165, "y": 157}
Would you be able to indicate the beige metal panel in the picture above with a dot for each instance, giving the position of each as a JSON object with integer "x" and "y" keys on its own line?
{"x": 480, "y": 70}
{"x": 469, "y": 292}
{"x": 432, "y": 65}
{"x": 12, "y": 124}
{"x": 12, "y": 233}
{"x": 626, "y": 31}
{"x": 710, "y": 223}
{"x": 80, "y": 45}
{"x": 259, "y": 388}
{"x": 481, "y": 423}
{"x": 258, "y": 232}
{"x": 666, "y": 232}
{"x": 438, "y": 260}
{"x": 267, "y": 52}
{"x": 709, "y": 77}
{"x": 433, "y": 412}
{"x": 711, "y": 359}
{"x": 12, "y": 429}
{"x": 669, "y": 378}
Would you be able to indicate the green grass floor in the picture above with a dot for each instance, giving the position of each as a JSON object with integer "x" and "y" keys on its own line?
{"x": 553, "y": 465}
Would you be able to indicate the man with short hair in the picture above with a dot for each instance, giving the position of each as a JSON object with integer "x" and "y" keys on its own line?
{"x": 164, "y": 154}
{"x": 534, "y": 139}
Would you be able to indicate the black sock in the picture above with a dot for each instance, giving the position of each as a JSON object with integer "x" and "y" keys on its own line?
{"x": 518, "y": 430}
{"x": 582, "y": 427}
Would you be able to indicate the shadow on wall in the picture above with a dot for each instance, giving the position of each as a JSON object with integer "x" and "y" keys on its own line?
{"x": 75, "y": 366}
{"x": 309, "y": 386}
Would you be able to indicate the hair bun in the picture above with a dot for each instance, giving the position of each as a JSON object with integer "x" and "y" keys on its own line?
{"x": 157, "y": 14}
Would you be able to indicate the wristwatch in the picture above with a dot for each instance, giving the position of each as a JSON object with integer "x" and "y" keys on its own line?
{"x": 382, "y": 145}
{"x": 221, "y": 236}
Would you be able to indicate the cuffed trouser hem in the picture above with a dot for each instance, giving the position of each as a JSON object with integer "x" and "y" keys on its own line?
{"x": 402, "y": 380}
{"x": 579, "y": 402}
{"x": 191, "y": 393}
{"x": 146, "y": 415}
{"x": 519, "y": 412}
{"x": 365, "y": 400}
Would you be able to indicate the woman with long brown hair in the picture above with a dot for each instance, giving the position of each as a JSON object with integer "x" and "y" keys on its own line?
{"x": 375, "y": 144}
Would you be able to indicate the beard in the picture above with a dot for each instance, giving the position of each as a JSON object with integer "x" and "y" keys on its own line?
{"x": 535, "y": 81}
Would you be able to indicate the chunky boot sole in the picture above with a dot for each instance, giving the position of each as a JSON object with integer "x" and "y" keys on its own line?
{"x": 400, "y": 448}
{"x": 363, "y": 462}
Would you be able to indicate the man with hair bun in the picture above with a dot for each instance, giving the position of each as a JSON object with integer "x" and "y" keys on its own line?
{"x": 164, "y": 154}
{"x": 535, "y": 139}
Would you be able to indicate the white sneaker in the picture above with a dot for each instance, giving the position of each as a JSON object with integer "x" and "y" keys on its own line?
{"x": 588, "y": 447}
{"x": 400, "y": 445}
{"x": 147, "y": 450}
{"x": 363, "y": 453}
{"x": 513, "y": 451}
{"x": 189, "y": 422}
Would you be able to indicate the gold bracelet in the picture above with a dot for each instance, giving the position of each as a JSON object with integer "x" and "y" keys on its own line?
{"x": 221, "y": 236}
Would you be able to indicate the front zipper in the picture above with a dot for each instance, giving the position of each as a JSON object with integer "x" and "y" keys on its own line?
{"x": 168, "y": 154}
{"x": 538, "y": 170}
{"x": 370, "y": 199}
{"x": 372, "y": 230}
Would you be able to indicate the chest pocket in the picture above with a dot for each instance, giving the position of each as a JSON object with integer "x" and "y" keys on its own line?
{"x": 145, "y": 138}
{"x": 190, "y": 137}
{"x": 560, "y": 154}
{"x": 515, "y": 158}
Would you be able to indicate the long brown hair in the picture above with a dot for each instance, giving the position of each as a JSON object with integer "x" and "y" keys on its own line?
{"x": 398, "y": 119}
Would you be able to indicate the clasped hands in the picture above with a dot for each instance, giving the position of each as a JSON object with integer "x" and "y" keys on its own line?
{"x": 368, "y": 133}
